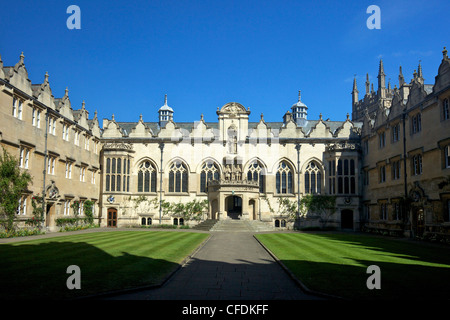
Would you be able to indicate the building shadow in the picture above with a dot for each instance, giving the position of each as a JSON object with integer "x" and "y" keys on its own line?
{"x": 24, "y": 274}
{"x": 409, "y": 271}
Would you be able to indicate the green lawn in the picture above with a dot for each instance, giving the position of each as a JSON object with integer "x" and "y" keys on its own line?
{"x": 107, "y": 260}
{"x": 337, "y": 264}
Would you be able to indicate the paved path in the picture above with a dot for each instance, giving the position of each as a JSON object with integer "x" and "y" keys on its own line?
{"x": 230, "y": 266}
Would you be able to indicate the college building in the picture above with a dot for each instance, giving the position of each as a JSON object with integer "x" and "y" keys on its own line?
{"x": 388, "y": 165}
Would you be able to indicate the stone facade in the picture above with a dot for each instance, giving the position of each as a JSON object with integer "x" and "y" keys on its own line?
{"x": 59, "y": 146}
{"x": 406, "y": 143}
{"x": 242, "y": 168}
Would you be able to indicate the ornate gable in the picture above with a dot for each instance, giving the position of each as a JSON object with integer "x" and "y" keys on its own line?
{"x": 141, "y": 130}
{"x": 64, "y": 106}
{"x": 112, "y": 129}
{"x": 43, "y": 93}
{"x": 18, "y": 76}
{"x": 320, "y": 130}
{"x": 233, "y": 109}
{"x": 443, "y": 78}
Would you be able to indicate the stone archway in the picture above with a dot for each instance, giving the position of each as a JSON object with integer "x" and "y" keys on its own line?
{"x": 50, "y": 214}
{"x": 252, "y": 209}
{"x": 214, "y": 209}
{"x": 233, "y": 206}
{"x": 418, "y": 220}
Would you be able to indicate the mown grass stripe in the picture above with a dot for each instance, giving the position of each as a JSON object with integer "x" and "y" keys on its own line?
{"x": 336, "y": 252}
{"x": 142, "y": 258}
{"x": 160, "y": 248}
{"x": 300, "y": 248}
{"x": 336, "y": 264}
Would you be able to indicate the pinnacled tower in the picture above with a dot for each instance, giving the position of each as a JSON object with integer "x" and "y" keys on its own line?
{"x": 300, "y": 111}
{"x": 165, "y": 113}
{"x": 354, "y": 93}
{"x": 381, "y": 81}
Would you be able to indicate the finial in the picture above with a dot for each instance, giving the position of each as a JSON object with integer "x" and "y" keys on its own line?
{"x": 140, "y": 117}
{"x": 348, "y": 116}
{"x": 67, "y": 91}
{"x": 320, "y": 116}
{"x": 355, "y": 86}
{"x": 95, "y": 114}
{"x": 113, "y": 117}
{"x": 444, "y": 53}
{"x": 46, "y": 76}
{"x": 22, "y": 57}
{"x": 262, "y": 116}
{"x": 165, "y": 100}
{"x": 299, "y": 95}
{"x": 82, "y": 105}
{"x": 201, "y": 117}
{"x": 381, "y": 69}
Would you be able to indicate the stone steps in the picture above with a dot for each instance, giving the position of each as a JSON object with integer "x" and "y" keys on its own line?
{"x": 259, "y": 226}
{"x": 206, "y": 225}
{"x": 233, "y": 225}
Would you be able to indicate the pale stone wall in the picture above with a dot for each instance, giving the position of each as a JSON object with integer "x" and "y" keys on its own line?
{"x": 198, "y": 142}
{"x": 27, "y": 130}
{"x": 422, "y": 188}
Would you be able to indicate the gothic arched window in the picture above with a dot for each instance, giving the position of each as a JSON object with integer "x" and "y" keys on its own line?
{"x": 313, "y": 178}
{"x": 346, "y": 176}
{"x": 284, "y": 178}
{"x": 146, "y": 177}
{"x": 255, "y": 173}
{"x": 178, "y": 177}
{"x": 210, "y": 171}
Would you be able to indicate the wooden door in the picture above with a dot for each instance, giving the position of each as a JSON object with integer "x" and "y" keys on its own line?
{"x": 347, "y": 219}
{"x": 112, "y": 218}
{"x": 420, "y": 222}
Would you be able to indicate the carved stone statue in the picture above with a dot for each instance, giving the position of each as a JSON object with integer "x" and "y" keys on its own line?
{"x": 227, "y": 172}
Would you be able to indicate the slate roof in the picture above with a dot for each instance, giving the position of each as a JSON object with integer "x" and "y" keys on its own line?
{"x": 154, "y": 126}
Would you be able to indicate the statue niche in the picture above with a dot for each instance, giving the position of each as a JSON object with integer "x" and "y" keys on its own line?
{"x": 233, "y": 172}
{"x": 232, "y": 139}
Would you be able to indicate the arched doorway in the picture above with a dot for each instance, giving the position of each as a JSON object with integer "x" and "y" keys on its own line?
{"x": 234, "y": 207}
{"x": 111, "y": 220}
{"x": 50, "y": 215}
{"x": 214, "y": 208}
{"x": 418, "y": 221}
{"x": 252, "y": 209}
{"x": 347, "y": 219}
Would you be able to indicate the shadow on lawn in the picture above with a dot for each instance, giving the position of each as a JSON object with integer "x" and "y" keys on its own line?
{"x": 400, "y": 247}
{"x": 398, "y": 282}
{"x": 405, "y": 279}
{"x": 40, "y": 271}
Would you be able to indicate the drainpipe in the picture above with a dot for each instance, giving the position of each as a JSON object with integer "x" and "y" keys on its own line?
{"x": 44, "y": 172}
{"x": 405, "y": 180}
{"x": 259, "y": 208}
{"x": 161, "y": 146}
{"x": 298, "y": 147}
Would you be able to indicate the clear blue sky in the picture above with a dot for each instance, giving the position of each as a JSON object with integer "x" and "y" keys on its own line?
{"x": 204, "y": 54}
